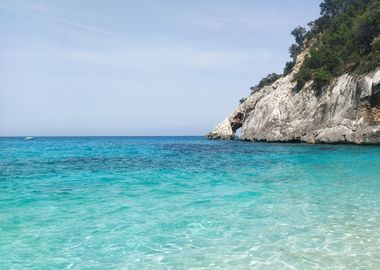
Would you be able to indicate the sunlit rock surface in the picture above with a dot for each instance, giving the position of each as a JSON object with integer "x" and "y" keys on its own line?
{"x": 346, "y": 111}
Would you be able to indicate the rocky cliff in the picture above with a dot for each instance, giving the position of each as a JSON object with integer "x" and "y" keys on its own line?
{"x": 345, "y": 111}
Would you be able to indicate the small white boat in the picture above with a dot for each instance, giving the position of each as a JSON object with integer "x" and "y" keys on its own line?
{"x": 29, "y": 138}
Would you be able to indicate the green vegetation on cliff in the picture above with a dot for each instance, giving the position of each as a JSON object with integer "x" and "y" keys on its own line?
{"x": 268, "y": 80}
{"x": 346, "y": 38}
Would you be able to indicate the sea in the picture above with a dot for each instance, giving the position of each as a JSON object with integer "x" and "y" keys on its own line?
{"x": 187, "y": 203}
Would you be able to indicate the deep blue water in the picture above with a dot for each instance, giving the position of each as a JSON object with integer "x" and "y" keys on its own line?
{"x": 187, "y": 203}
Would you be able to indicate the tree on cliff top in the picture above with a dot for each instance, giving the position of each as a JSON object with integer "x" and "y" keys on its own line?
{"x": 299, "y": 34}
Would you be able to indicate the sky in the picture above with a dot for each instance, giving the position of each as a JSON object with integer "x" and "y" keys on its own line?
{"x": 133, "y": 68}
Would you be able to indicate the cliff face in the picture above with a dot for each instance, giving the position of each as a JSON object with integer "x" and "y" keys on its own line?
{"x": 346, "y": 111}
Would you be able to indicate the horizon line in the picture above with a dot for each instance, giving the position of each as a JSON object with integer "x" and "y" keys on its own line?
{"x": 47, "y": 136}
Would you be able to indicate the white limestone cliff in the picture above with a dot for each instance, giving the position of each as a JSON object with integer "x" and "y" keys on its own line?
{"x": 346, "y": 111}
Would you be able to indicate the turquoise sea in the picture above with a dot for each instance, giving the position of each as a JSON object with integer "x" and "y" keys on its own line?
{"x": 187, "y": 203}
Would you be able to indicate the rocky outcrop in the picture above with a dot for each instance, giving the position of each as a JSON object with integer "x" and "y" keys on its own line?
{"x": 346, "y": 111}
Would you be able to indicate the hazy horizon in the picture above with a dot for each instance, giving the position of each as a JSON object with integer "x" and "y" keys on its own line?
{"x": 120, "y": 68}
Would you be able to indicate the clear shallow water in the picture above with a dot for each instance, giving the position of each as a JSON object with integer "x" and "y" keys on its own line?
{"x": 187, "y": 203}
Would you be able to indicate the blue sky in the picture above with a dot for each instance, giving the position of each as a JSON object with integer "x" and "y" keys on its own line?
{"x": 136, "y": 67}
